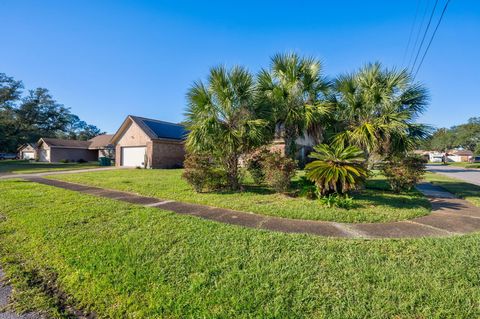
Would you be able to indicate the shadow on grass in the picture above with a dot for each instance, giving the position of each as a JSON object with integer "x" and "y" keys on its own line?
{"x": 376, "y": 193}
{"x": 394, "y": 200}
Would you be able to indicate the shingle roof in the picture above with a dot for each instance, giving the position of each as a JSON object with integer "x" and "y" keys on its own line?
{"x": 156, "y": 129}
{"x": 66, "y": 143}
{"x": 100, "y": 141}
{"x": 32, "y": 145}
{"x": 461, "y": 152}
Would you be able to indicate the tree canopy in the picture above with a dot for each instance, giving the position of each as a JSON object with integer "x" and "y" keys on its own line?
{"x": 27, "y": 116}
{"x": 293, "y": 89}
{"x": 375, "y": 109}
{"x": 222, "y": 118}
{"x": 465, "y": 135}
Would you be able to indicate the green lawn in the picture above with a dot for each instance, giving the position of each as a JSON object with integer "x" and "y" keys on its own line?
{"x": 25, "y": 167}
{"x": 458, "y": 187}
{"x": 120, "y": 260}
{"x": 372, "y": 205}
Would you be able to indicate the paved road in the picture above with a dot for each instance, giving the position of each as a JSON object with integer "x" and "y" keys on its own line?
{"x": 468, "y": 175}
{"x": 5, "y": 292}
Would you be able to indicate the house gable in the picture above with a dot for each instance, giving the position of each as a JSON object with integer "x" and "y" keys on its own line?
{"x": 131, "y": 135}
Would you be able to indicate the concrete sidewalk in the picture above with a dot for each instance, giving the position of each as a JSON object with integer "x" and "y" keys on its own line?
{"x": 450, "y": 215}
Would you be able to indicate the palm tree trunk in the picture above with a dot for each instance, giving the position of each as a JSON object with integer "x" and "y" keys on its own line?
{"x": 290, "y": 142}
{"x": 232, "y": 172}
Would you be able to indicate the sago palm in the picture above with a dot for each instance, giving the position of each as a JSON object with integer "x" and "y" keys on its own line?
{"x": 293, "y": 88}
{"x": 376, "y": 109}
{"x": 222, "y": 118}
{"x": 336, "y": 169}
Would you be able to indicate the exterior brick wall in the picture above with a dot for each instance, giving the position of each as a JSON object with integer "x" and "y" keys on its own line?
{"x": 72, "y": 154}
{"x": 166, "y": 154}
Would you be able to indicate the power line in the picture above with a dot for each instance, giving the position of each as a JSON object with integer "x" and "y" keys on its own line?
{"x": 431, "y": 39}
{"x": 425, "y": 34}
{"x": 418, "y": 33}
{"x": 411, "y": 31}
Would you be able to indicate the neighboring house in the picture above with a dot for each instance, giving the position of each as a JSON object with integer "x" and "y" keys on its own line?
{"x": 304, "y": 143}
{"x": 56, "y": 150}
{"x": 27, "y": 151}
{"x": 149, "y": 143}
{"x": 102, "y": 143}
{"x": 459, "y": 155}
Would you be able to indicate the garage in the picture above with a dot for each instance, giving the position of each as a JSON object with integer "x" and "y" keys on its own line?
{"x": 149, "y": 143}
{"x": 27, "y": 151}
{"x": 28, "y": 155}
{"x": 133, "y": 156}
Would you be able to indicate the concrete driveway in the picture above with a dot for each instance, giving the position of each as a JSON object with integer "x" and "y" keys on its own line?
{"x": 468, "y": 175}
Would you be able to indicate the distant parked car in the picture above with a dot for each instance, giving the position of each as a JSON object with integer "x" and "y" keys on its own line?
{"x": 476, "y": 159}
{"x": 4, "y": 156}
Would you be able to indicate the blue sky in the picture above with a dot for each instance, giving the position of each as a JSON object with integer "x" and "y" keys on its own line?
{"x": 107, "y": 59}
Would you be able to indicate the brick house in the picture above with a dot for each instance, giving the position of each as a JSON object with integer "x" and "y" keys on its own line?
{"x": 459, "y": 155}
{"x": 149, "y": 143}
{"x": 27, "y": 151}
{"x": 56, "y": 150}
{"x": 304, "y": 144}
{"x": 103, "y": 145}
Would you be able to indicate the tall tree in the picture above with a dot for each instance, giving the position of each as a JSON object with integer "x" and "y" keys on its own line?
{"x": 376, "y": 109}
{"x": 79, "y": 130}
{"x": 294, "y": 88}
{"x": 222, "y": 120}
{"x": 37, "y": 114}
{"x": 10, "y": 92}
{"x": 441, "y": 140}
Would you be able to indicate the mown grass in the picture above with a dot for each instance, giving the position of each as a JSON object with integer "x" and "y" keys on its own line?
{"x": 374, "y": 204}
{"x": 458, "y": 187}
{"x": 119, "y": 260}
{"x": 25, "y": 167}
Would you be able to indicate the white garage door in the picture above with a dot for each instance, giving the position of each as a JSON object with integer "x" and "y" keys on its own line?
{"x": 28, "y": 155}
{"x": 133, "y": 156}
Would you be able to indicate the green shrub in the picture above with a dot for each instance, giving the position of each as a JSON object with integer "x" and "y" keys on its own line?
{"x": 336, "y": 169}
{"x": 202, "y": 173}
{"x": 404, "y": 173}
{"x": 81, "y": 161}
{"x": 337, "y": 200}
{"x": 278, "y": 170}
{"x": 307, "y": 188}
{"x": 64, "y": 161}
{"x": 254, "y": 163}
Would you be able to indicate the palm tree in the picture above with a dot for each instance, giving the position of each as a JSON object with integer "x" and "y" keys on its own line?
{"x": 222, "y": 118}
{"x": 336, "y": 169}
{"x": 293, "y": 88}
{"x": 375, "y": 109}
